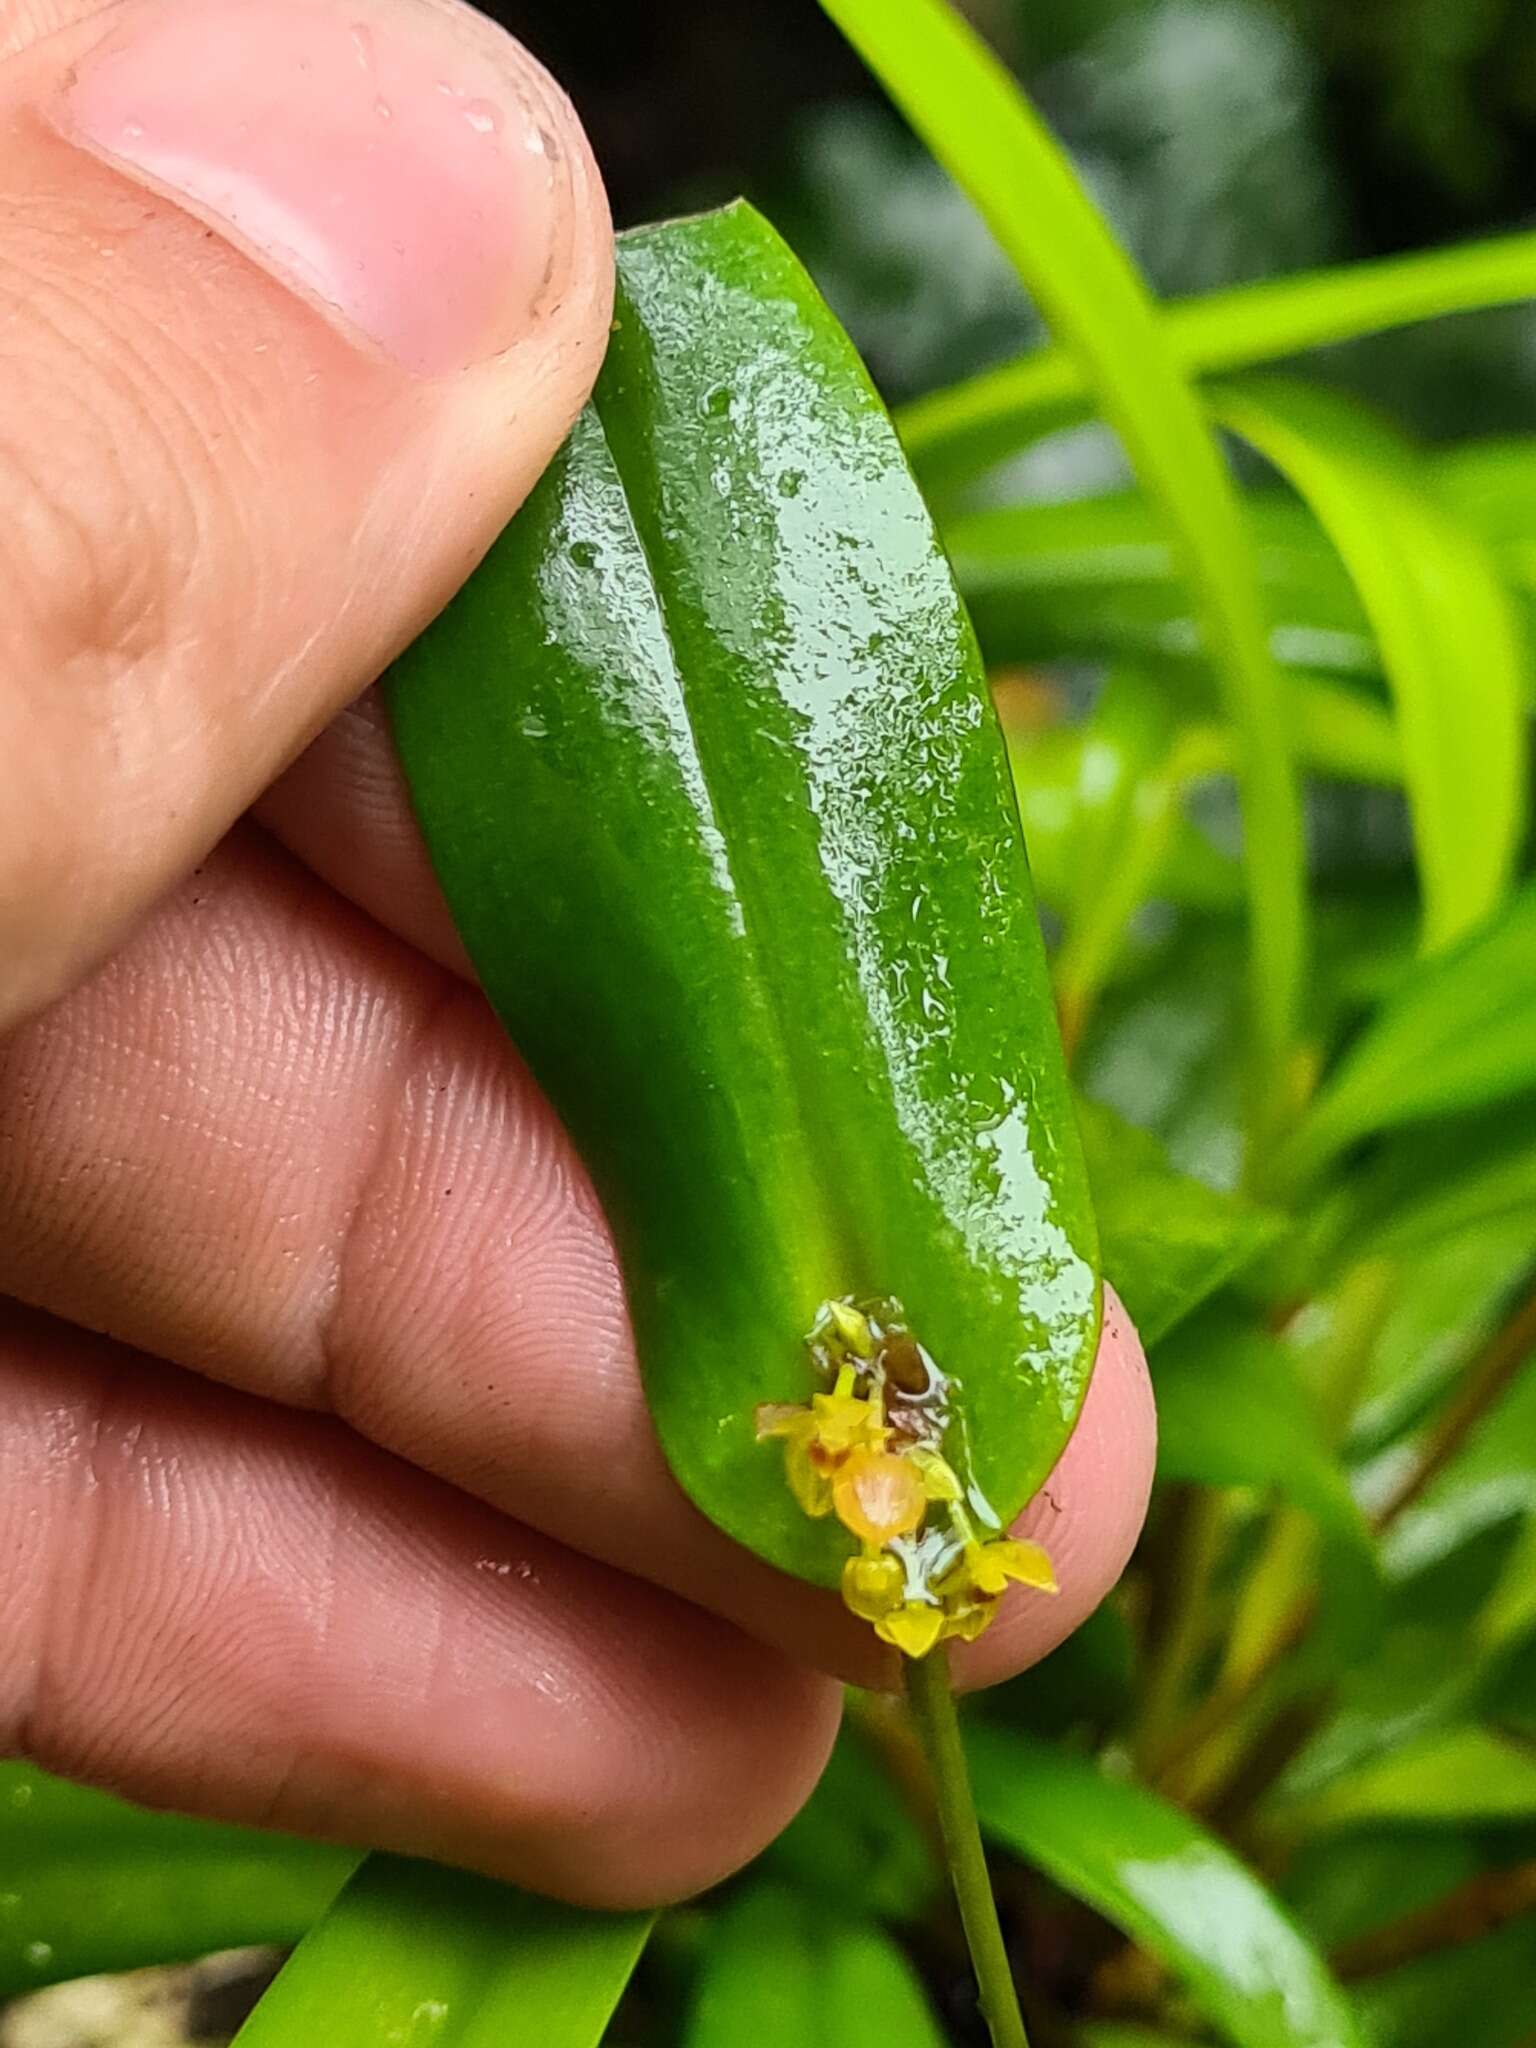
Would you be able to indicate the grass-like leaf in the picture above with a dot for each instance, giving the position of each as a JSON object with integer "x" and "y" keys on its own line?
{"x": 970, "y": 426}
{"x": 784, "y": 1971}
{"x": 415, "y": 1953}
{"x": 969, "y": 111}
{"x": 1168, "y": 1885}
{"x": 89, "y": 1883}
{"x": 1444, "y": 623}
{"x": 1457, "y": 1036}
{"x": 1167, "y": 1242}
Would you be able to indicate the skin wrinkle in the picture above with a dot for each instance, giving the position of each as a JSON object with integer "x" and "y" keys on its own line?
{"x": 280, "y": 1616}
{"x": 450, "y": 1732}
{"x": 336, "y": 1365}
{"x": 480, "y": 1332}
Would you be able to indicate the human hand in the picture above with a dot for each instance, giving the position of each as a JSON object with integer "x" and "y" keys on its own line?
{"x": 328, "y": 1497}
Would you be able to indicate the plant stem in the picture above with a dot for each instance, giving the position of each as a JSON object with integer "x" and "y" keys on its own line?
{"x": 938, "y": 1727}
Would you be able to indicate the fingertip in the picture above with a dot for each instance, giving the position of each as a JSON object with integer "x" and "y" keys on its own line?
{"x": 1088, "y": 1515}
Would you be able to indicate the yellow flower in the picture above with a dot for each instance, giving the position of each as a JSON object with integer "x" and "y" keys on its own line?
{"x": 878, "y": 1495}
{"x": 873, "y": 1586}
{"x": 913, "y": 1628}
{"x": 986, "y": 1568}
{"x": 796, "y": 1424}
{"x": 842, "y": 1422}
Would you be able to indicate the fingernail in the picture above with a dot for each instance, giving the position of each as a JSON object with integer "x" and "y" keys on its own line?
{"x": 399, "y": 162}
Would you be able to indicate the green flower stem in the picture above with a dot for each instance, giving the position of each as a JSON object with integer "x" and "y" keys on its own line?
{"x": 938, "y": 1726}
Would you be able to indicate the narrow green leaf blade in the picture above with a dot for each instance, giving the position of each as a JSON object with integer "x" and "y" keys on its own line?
{"x": 956, "y": 432}
{"x": 1444, "y": 623}
{"x": 968, "y": 110}
{"x": 707, "y": 765}
{"x": 1169, "y": 1886}
{"x": 1231, "y": 1411}
{"x": 1097, "y": 579}
{"x": 1457, "y": 1036}
{"x": 1167, "y": 1242}
{"x": 89, "y": 1884}
{"x": 781, "y": 1970}
{"x": 432, "y": 1958}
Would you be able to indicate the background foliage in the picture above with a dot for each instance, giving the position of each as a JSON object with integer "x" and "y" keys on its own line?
{"x": 1282, "y": 1788}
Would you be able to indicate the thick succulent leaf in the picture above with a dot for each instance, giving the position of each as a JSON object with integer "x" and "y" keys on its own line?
{"x": 784, "y": 1970}
{"x": 1174, "y": 1890}
{"x": 416, "y": 1954}
{"x": 1444, "y": 623}
{"x": 1167, "y": 1242}
{"x": 89, "y": 1883}
{"x": 971, "y": 426}
{"x": 708, "y": 769}
{"x": 1457, "y": 1035}
{"x": 968, "y": 110}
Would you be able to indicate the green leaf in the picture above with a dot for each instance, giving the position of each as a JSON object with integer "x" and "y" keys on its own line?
{"x": 1445, "y": 625}
{"x": 968, "y": 110}
{"x": 954, "y": 433}
{"x": 1432, "y": 1184}
{"x": 425, "y": 1957}
{"x": 1167, "y": 1242}
{"x": 707, "y": 766}
{"x": 1232, "y": 1411}
{"x": 1476, "y": 1996}
{"x": 89, "y": 1884}
{"x": 1067, "y": 775}
{"x": 1456, "y": 1036}
{"x": 856, "y": 1838}
{"x": 1097, "y": 579}
{"x": 1452, "y": 1775}
{"x": 1166, "y": 1884}
{"x": 782, "y": 1970}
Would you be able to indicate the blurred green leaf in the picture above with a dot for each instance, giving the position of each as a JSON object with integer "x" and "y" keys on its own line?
{"x": 434, "y": 1958}
{"x": 1492, "y": 1480}
{"x": 1166, "y": 1242}
{"x": 1428, "y": 1185}
{"x": 785, "y": 1971}
{"x": 1089, "y": 1681}
{"x": 1112, "y": 2034}
{"x": 1341, "y": 1886}
{"x": 1158, "y": 1877}
{"x": 1067, "y": 775}
{"x": 1232, "y": 1411}
{"x": 1097, "y": 579}
{"x": 968, "y": 110}
{"x": 1475, "y": 1996}
{"x": 955, "y": 433}
{"x": 855, "y": 1838}
{"x": 1443, "y": 621}
{"x": 89, "y": 1884}
{"x": 1454, "y": 1774}
{"x": 1444, "y": 1301}
{"x": 1164, "y": 1049}
{"x": 1457, "y": 1035}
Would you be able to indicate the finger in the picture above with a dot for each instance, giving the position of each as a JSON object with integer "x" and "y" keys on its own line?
{"x": 1087, "y": 1515}
{"x": 298, "y": 296}
{"x": 272, "y": 1143}
{"x": 220, "y": 1606}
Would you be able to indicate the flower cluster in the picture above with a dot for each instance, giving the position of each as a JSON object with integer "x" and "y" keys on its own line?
{"x": 932, "y": 1561}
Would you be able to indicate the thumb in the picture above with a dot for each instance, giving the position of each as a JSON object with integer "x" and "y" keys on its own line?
{"x": 297, "y": 299}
